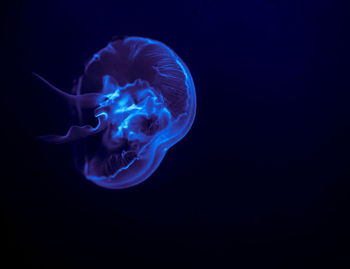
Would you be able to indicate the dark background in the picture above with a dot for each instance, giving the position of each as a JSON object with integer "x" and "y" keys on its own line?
{"x": 262, "y": 178}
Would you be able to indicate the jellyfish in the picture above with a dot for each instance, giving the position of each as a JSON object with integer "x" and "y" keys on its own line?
{"x": 135, "y": 99}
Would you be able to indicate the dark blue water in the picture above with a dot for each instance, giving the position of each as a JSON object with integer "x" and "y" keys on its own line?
{"x": 262, "y": 178}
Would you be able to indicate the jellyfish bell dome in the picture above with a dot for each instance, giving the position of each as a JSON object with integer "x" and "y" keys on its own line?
{"x": 141, "y": 99}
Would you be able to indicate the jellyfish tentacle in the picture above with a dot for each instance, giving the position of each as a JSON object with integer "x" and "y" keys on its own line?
{"x": 87, "y": 100}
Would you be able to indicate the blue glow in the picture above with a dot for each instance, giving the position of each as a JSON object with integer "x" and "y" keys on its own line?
{"x": 145, "y": 104}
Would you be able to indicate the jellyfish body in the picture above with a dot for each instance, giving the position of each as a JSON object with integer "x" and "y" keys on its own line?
{"x": 134, "y": 101}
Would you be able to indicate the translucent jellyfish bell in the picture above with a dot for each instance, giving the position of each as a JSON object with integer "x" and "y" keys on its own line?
{"x": 134, "y": 101}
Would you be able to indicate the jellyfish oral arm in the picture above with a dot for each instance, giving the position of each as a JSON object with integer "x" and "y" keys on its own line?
{"x": 89, "y": 100}
{"x": 85, "y": 101}
{"x": 77, "y": 132}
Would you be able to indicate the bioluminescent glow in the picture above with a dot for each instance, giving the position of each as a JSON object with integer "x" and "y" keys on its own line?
{"x": 134, "y": 101}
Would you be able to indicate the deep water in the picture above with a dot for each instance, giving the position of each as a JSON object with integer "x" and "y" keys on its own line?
{"x": 262, "y": 177}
